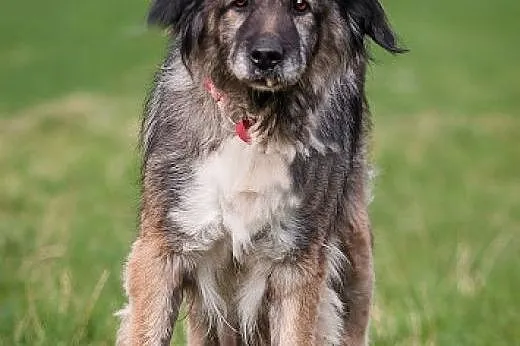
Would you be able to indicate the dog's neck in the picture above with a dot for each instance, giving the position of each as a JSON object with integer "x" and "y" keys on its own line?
{"x": 264, "y": 116}
{"x": 257, "y": 100}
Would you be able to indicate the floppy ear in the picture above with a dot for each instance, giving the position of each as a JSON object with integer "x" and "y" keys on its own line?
{"x": 184, "y": 17}
{"x": 165, "y": 13}
{"x": 372, "y": 21}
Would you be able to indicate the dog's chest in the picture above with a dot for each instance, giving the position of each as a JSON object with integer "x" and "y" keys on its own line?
{"x": 240, "y": 191}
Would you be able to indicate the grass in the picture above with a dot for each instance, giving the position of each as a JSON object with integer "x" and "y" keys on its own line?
{"x": 446, "y": 212}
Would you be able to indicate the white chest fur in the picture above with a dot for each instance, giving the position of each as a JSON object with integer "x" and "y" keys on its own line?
{"x": 237, "y": 191}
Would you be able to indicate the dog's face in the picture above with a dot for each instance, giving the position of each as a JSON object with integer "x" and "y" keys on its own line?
{"x": 270, "y": 44}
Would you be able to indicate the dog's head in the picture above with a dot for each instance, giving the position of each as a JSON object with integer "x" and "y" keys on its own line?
{"x": 270, "y": 44}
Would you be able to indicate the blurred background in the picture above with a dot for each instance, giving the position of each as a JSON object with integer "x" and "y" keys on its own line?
{"x": 446, "y": 214}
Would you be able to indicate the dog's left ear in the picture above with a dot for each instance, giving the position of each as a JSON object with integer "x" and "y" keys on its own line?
{"x": 372, "y": 21}
{"x": 165, "y": 13}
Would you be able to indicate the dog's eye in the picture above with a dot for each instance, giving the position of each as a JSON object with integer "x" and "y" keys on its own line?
{"x": 300, "y": 6}
{"x": 240, "y": 3}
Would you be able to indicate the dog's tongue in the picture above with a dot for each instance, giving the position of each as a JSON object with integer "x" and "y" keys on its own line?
{"x": 241, "y": 129}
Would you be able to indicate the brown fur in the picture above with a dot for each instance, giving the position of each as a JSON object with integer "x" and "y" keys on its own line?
{"x": 153, "y": 278}
{"x": 295, "y": 292}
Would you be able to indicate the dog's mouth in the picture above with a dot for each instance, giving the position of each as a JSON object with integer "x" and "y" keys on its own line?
{"x": 261, "y": 98}
{"x": 265, "y": 84}
{"x": 267, "y": 81}
{"x": 276, "y": 79}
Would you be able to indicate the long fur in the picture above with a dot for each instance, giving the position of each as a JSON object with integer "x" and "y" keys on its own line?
{"x": 271, "y": 242}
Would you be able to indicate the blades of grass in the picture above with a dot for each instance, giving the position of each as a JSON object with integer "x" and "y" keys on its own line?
{"x": 98, "y": 288}
{"x": 66, "y": 291}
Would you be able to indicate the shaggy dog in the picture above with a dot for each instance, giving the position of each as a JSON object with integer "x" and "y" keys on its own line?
{"x": 254, "y": 200}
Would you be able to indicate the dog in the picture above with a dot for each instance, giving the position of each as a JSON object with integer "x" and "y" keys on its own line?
{"x": 255, "y": 178}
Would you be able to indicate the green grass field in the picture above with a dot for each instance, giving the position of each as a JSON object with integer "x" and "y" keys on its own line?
{"x": 446, "y": 212}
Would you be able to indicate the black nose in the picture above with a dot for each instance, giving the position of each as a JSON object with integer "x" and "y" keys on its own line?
{"x": 266, "y": 53}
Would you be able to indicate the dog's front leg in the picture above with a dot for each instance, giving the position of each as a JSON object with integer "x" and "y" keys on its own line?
{"x": 359, "y": 279}
{"x": 153, "y": 285}
{"x": 295, "y": 294}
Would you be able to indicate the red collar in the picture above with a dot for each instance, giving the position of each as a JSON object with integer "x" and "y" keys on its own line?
{"x": 242, "y": 126}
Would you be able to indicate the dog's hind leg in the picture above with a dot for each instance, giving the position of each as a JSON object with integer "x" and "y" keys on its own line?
{"x": 200, "y": 332}
{"x": 153, "y": 286}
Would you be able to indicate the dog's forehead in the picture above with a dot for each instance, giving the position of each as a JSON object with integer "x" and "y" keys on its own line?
{"x": 265, "y": 3}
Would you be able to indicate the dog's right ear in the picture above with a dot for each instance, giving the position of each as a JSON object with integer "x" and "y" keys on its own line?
{"x": 165, "y": 13}
{"x": 183, "y": 18}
